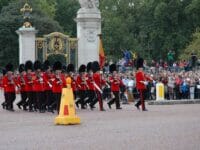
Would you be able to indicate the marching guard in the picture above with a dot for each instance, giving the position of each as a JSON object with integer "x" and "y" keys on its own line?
{"x": 48, "y": 79}
{"x": 82, "y": 85}
{"x": 98, "y": 83}
{"x": 29, "y": 85}
{"x": 141, "y": 83}
{"x": 9, "y": 84}
{"x": 22, "y": 86}
{"x": 115, "y": 82}
{"x": 58, "y": 83}
{"x": 91, "y": 88}
{"x": 38, "y": 87}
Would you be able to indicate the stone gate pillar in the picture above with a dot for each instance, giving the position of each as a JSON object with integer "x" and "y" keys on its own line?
{"x": 26, "y": 34}
{"x": 88, "y": 27}
{"x": 26, "y": 44}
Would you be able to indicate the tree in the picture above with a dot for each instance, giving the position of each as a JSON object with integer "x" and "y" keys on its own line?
{"x": 65, "y": 14}
{"x": 193, "y": 47}
{"x": 11, "y": 20}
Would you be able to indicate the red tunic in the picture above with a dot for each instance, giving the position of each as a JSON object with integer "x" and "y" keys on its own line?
{"x": 48, "y": 77}
{"x": 115, "y": 84}
{"x": 29, "y": 82}
{"x": 21, "y": 83}
{"x": 82, "y": 84}
{"x": 58, "y": 83}
{"x": 9, "y": 85}
{"x": 98, "y": 80}
{"x": 140, "y": 77}
{"x": 90, "y": 82}
{"x": 38, "y": 83}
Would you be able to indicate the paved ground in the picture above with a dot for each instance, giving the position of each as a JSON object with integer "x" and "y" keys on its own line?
{"x": 172, "y": 127}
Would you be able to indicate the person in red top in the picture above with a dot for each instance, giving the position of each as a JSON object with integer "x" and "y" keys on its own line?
{"x": 82, "y": 84}
{"x": 98, "y": 82}
{"x": 141, "y": 83}
{"x": 57, "y": 84}
{"x": 29, "y": 84}
{"x": 22, "y": 87}
{"x": 115, "y": 82}
{"x": 91, "y": 89}
{"x": 9, "y": 84}
{"x": 70, "y": 71}
{"x": 48, "y": 79}
{"x": 38, "y": 87}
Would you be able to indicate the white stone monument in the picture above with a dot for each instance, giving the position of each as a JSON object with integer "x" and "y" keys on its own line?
{"x": 26, "y": 37}
{"x": 88, "y": 27}
{"x": 26, "y": 44}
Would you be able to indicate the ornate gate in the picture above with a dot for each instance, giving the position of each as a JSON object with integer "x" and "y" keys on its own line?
{"x": 57, "y": 46}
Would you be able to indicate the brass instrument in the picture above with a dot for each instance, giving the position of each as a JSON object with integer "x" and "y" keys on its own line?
{"x": 22, "y": 81}
{"x": 39, "y": 78}
{"x": 116, "y": 80}
{"x": 84, "y": 81}
{"x": 30, "y": 79}
{"x": 11, "y": 79}
{"x": 59, "y": 80}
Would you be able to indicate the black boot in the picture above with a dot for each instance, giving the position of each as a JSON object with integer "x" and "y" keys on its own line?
{"x": 19, "y": 106}
{"x": 3, "y": 105}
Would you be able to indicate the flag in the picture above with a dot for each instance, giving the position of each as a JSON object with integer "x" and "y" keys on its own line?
{"x": 101, "y": 53}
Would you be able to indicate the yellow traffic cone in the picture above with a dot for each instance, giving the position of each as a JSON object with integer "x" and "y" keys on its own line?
{"x": 67, "y": 112}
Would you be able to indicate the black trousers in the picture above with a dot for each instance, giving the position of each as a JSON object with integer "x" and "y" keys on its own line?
{"x": 142, "y": 99}
{"x": 115, "y": 99}
{"x": 91, "y": 96}
{"x": 82, "y": 95}
{"x": 9, "y": 99}
{"x": 23, "y": 95}
{"x": 48, "y": 98}
{"x": 40, "y": 100}
{"x": 31, "y": 99}
{"x": 57, "y": 100}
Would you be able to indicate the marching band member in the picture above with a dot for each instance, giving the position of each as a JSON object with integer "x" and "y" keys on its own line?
{"x": 48, "y": 78}
{"x": 58, "y": 83}
{"x": 22, "y": 87}
{"x": 90, "y": 82}
{"x": 38, "y": 86}
{"x": 141, "y": 83}
{"x": 9, "y": 84}
{"x": 70, "y": 71}
{"x": 115, "y": 82}
{"x": 82, "y": 85}
{"x": 98, "y": 82}
{"x": 29, "y": 84}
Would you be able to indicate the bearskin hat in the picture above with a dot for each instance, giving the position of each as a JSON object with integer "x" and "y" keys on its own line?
{"x": 46, "y": 65}
{"x": 95, "y": 66}
{"x": 64, "y": 68}
{"x": 4, "y": 72}
{"x": 82, "y": 68}
{"x": 89, "y": 67}
{"x": 28, "y": 65}
{"x": 57, "y": 65}
{"x": 9, "y": 67}
{"x": 112, "y": 68}
{"x": 37, "y": 65}
{"x": 21, "y": 68}
{"x": 70, "y": 68}
{"x": 139, "y": 63}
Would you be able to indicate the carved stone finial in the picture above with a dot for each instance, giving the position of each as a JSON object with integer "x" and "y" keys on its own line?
{"x": 26, "y": 10}
{"x": 89, "y": 4}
